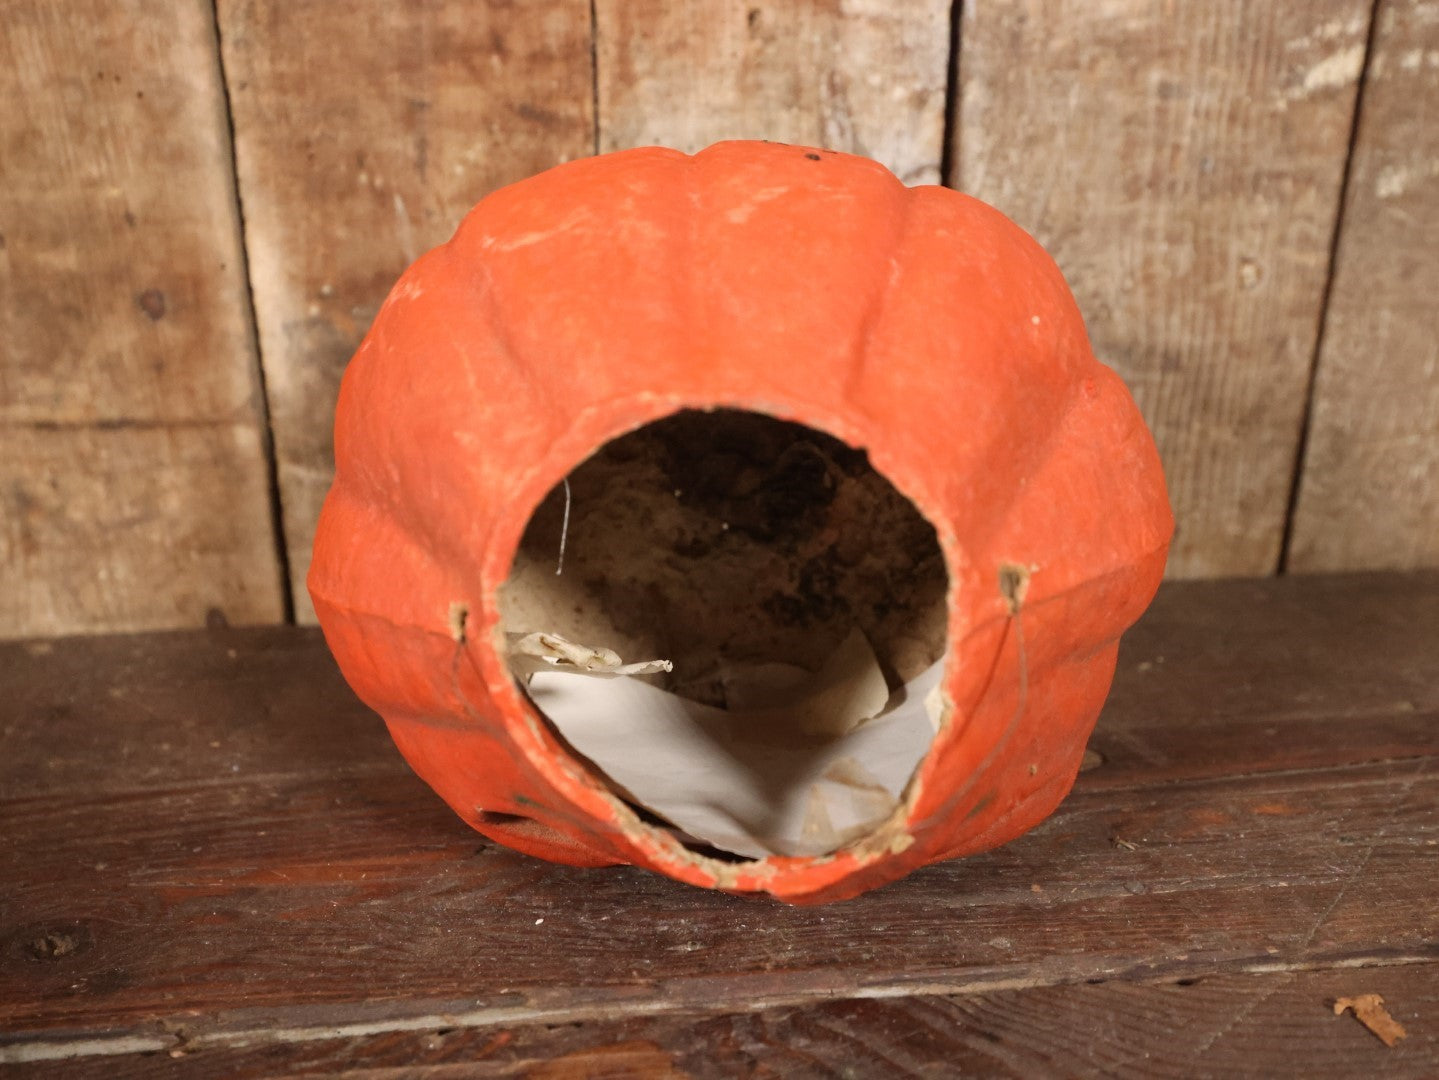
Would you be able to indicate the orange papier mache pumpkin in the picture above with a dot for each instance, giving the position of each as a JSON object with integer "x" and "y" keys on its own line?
{"x": 749, "y": 404}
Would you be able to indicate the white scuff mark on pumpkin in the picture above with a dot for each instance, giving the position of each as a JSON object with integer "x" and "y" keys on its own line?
{"x": 740, "y": 214}
{"x": 407, "y": 289}
{"x": 513, "y": 243}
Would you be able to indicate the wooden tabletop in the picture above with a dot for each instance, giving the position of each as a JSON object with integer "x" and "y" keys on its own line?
{"x": 213, "y": 863}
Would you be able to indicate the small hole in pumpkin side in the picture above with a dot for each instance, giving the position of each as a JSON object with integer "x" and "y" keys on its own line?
{"x": 499, "y": 817}
{"x": 797, "y": 599}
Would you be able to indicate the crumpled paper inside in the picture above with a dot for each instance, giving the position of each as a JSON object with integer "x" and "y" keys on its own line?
{"x": 530, "y": 653}
{"x": 800, "y": 764}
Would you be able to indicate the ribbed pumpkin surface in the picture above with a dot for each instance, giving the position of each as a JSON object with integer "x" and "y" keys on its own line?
{"x": 919, "y": 324}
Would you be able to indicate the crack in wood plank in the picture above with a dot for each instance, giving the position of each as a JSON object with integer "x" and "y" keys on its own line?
{"x": 26, "y": 1048}
{"x": 1364, "y": 860}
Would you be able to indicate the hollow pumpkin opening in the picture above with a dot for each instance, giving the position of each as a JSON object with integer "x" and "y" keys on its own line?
{"x": 739, "y": 624}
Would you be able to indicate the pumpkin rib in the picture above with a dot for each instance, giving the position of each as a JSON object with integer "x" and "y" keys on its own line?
{"x": 766, "y": 295}
{"x": 1057, "y": 440}
{"x": 956, "y": 796}
{"x": 398, "y": 316}
{"x": 992, "y": 824}
{"x": 1056, "y": 436}
{"x": 320, "y": 586}
{"x": 955, "y": 355}
{"x": 880, "y": 301}
{"x": 1061, "y": 437}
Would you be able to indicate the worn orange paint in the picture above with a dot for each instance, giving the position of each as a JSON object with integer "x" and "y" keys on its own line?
{"x": 604, "y": 294}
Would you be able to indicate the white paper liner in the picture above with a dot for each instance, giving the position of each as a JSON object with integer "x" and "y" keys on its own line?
{"x": 823, "y": 764}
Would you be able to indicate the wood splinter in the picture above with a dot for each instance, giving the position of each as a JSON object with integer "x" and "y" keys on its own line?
{"x": 1369, "y": 1010}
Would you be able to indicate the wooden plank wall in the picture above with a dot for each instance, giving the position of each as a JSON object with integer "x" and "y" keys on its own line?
{"x": 134, "y": 489}
{"x": 1187, "y": 164}
{"x": 1369, "y": 493}
{"x": 867, "y": 77}
{"x": 1182, "y": 162}
{"x": 363, "y": 133}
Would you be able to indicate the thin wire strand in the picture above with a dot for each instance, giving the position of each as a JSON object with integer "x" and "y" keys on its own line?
{"x": 564, "y": 531}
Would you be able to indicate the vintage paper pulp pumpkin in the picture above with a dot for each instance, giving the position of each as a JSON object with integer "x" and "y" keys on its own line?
{"x": 773, "y": 398}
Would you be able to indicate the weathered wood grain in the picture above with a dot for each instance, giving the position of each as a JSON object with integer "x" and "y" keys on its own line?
{"x": 260, "y": 867}
{"x": 866, "y": 77}
{"x": 1334, "y": 669}
{"x": 363, "y": 133}
{"x": 1369, "y": 494}
{"x": 1340, "y": 668}
{"x": 1224, "y": 1025}
{"x": 1182, "y": 162}
{"x": 254, "y": 902}
{"x": 134, "y": 488}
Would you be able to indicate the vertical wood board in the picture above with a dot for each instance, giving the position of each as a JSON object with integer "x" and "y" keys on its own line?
{"x": 863, "y": 76}
{"x": 134, "y": 489}
{"x": 1183, "y": 163}
{"x": 1369, "y": 494}
{"x": 363, "y": 133}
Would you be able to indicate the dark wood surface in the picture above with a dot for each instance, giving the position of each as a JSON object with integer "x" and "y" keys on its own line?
{"x": 213, "y": 863}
